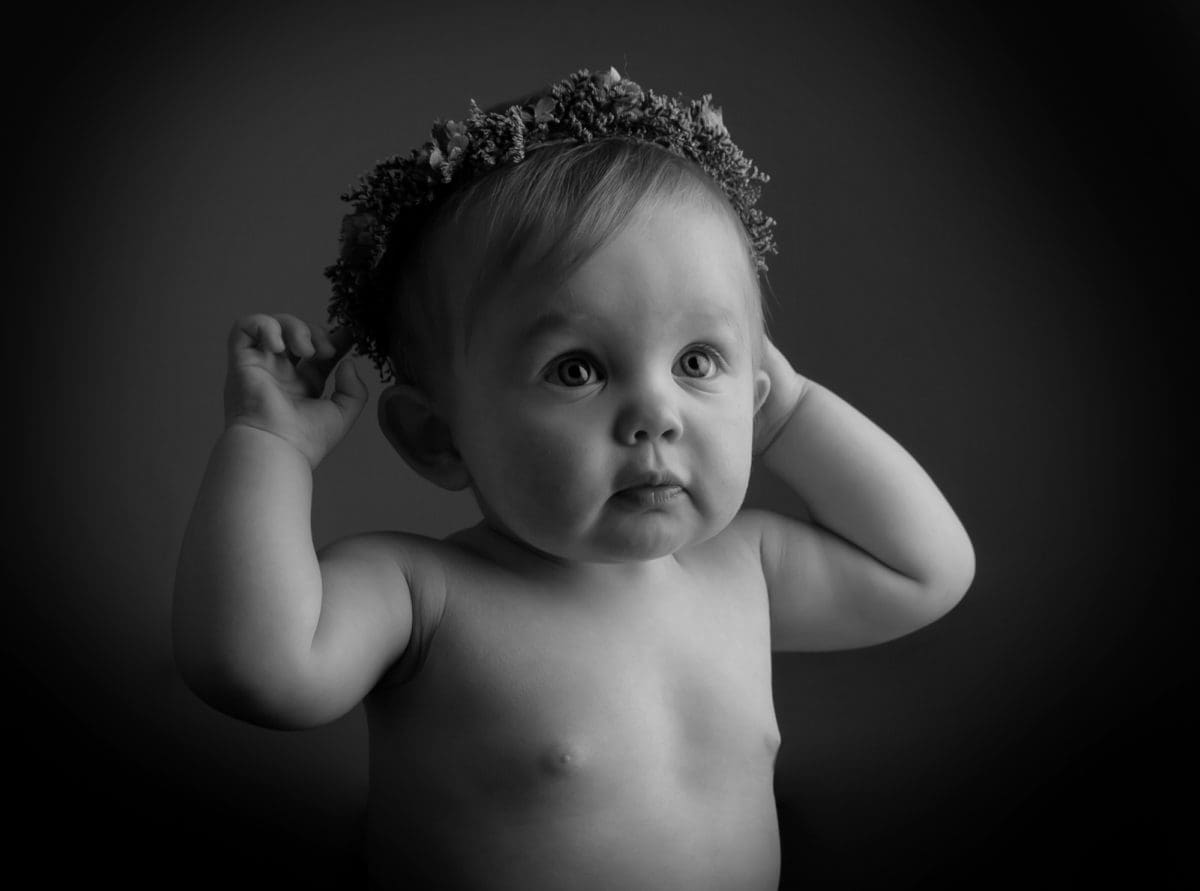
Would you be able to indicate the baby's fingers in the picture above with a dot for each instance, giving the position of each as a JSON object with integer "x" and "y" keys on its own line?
{"x": 259, "y": 331}
{"x": 280, "y": 334}
{"x": 297, "y": 336}
{"x": 331, "y": 346}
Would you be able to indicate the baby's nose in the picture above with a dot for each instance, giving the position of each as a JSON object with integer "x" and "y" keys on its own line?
{"x": 650, "y": 416}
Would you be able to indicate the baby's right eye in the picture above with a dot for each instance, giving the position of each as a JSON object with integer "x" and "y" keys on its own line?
{"x": 573, "y": 371}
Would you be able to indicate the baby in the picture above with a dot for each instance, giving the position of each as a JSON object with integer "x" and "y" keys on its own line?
{"x": 576, "y": 691}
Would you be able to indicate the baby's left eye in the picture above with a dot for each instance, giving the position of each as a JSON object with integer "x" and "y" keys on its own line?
{"x": 697, "y": 363}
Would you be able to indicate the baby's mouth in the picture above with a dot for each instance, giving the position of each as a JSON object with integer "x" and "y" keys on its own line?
{"x": 650, "y": 489}
{"x": 650, "y": 495}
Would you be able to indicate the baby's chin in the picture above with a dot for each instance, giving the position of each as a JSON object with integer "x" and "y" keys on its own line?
{"x": 611, "y": 536}
{"x": 637, "y": 545}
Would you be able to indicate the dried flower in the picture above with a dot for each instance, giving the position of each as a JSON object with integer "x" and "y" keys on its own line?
{"x": 606, "y": 78}
{"x": 712, "y": 117}
{"x": 543, "y": 112}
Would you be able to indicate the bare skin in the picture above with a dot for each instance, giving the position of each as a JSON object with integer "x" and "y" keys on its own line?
{"x": 620, "y": 736}
{"x": 575, "y": 692}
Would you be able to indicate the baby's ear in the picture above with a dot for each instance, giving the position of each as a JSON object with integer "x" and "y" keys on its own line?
{"x": 762, "y": 388}
{"x": 415, "y": 430}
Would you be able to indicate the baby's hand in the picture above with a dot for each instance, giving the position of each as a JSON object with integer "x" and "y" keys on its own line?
{"x": 277, "y": 370}
{"x": 787, "y": 388}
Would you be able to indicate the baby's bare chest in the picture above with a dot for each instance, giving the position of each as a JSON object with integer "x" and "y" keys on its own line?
{"x": 587, "y": 734}
{"x": 534, "y": 685}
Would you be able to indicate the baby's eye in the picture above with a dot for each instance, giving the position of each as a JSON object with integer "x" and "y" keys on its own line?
{"x": 573, "y": 371}
{"x": 697, "y": 363}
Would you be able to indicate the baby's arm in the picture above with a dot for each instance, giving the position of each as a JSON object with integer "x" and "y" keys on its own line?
{"x": 885, "y": 553}
{"x": 263, "y": 629}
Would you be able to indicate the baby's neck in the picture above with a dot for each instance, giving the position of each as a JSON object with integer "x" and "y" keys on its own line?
{"x": 500, "y": 547}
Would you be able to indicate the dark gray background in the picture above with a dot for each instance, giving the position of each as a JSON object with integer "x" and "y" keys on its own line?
{"x": 985, "y": 227}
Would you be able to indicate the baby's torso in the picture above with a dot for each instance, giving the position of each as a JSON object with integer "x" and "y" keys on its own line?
{"x": 618, "y": 738}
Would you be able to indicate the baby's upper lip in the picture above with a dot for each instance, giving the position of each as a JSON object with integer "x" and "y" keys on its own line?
{"x": 642, "y": 477}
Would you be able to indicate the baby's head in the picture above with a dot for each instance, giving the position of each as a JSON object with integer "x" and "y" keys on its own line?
{"x": 576, "y": 337}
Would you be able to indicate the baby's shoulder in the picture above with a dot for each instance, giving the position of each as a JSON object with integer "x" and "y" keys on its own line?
{"x": 427, "y": 566}
{"x": 407, "y": 552}
{"x": 393, "y": 564}
{"x": 407, "y": 572}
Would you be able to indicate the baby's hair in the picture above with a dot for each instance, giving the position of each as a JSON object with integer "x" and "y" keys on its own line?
{"x": 528, "y": 225}
{"x": 530, "y": 186}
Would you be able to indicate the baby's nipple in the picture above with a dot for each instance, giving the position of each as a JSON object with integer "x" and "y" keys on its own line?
{"x": 560, "y": 760}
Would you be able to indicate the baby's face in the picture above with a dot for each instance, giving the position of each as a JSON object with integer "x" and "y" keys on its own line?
{"x": 612, "y": 420}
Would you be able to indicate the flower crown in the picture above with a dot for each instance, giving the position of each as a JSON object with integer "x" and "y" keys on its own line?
{"x": 582, "y": 107}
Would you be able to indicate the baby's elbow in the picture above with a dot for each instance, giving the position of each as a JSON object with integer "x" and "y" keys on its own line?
{"x": 953, "y": 576}
{"x": 263, "y": 698}
{"x": 254, "y": 702}
{"x": 217, "y": 684}
{"x": 196, "y": 665}
{"x": 964, "y": 565}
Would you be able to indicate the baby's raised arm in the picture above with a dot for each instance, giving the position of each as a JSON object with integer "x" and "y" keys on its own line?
{"x": 263, "y": 629}
{"x": 884, "y": 554}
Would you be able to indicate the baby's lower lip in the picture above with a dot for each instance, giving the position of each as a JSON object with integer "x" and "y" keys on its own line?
{"x": 649, "y": 496}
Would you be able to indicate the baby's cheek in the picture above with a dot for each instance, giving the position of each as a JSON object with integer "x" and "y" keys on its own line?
{"x": 554, "y": 474}
{"x": 728, "y": 451}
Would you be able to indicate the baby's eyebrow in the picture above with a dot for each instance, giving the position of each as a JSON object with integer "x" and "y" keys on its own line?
{"x": 726, "y": 318}
{"x": 551, "y": 322}
{"x": 556, "y": 320}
